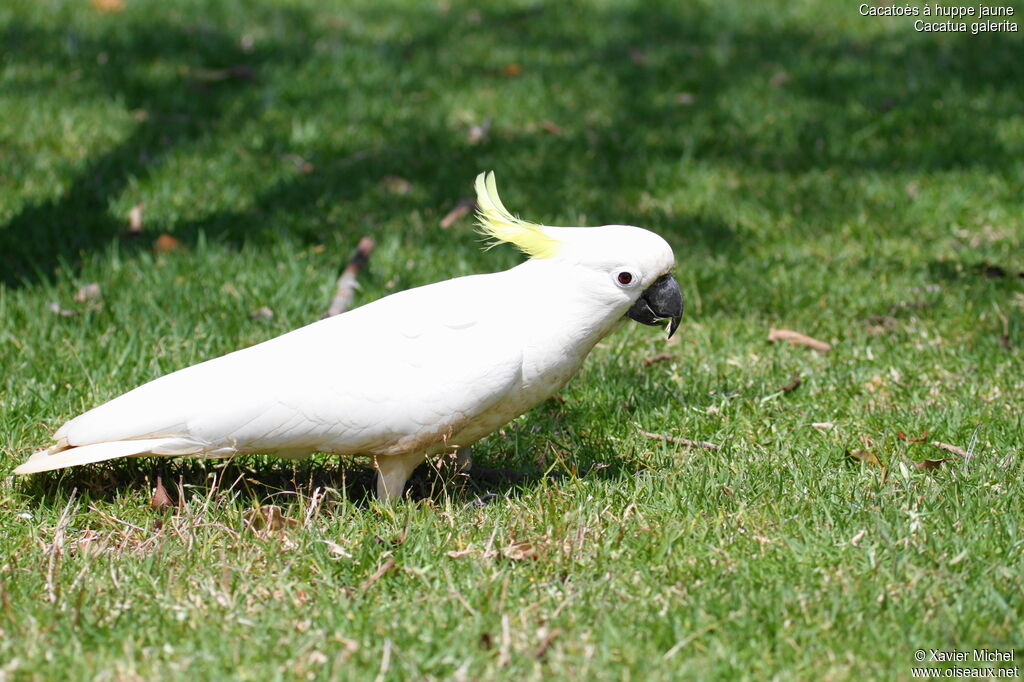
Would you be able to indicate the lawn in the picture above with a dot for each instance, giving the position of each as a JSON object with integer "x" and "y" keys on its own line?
{"x": 815, "y": 170}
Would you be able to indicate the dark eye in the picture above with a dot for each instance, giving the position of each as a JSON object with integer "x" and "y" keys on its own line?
{"x": 625, "y": 278}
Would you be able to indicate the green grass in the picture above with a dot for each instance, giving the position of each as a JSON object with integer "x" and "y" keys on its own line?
{"x": 814, "y": 169}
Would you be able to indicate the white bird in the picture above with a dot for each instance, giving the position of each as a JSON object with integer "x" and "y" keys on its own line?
{"x": 407, "y": 376}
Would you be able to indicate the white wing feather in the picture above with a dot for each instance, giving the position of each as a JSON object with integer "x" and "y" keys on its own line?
{"x": 407, "y": 367}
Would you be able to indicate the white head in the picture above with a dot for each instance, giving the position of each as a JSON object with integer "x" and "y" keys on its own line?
{"x": 627, "y": 267}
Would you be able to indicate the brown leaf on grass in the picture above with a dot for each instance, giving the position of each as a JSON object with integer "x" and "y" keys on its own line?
{"x": 135, "y": 219}
{"x": 395, "y": 184}
{"x": 865, "y": 456}
{"x": 798, "y": 339}
{"x": 794, "y": 382}
{"x": 269, "y": 517}
{"x": 512, "y": 69}
{"x": 660, "y": 357}
{"x": 337, "y": 550}
{"x": 88, "y": 292}
{"x": 551, "y": 127}
{"x": 262, "y": 313}
{"x": 955, "y": 449}
{"x": 165, "y": 243}
{"x": 462, "y": 207}
{"x": 107, "y": 6}
{"x": 520, "y": 551}
{"x": 301, "y": 164}
{"x": 911, "y": 439}
{"x": 381, "y": 571}
{"x": 162, "y": 500}
{"x": 931, "y": 464}
{"x": 459, "y": 553}
{"x": 682, "y": 441}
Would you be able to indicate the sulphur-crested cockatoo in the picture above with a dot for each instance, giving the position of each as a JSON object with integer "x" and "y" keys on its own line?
{"x": 404, "y": 377}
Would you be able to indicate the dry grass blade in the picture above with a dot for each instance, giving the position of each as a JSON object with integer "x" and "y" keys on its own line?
{"x": 269, "y": 517}
{"x": 381, "y": 571}
{"x": 107, "y": 6}
{"x": 955, "y": 449}
{"x": 337, "y": 550}
{"x": 798, "y": 339}
{"x": 794, "y": 382}
{"x": 911, "y": 439}
{"x": 135, "y": 219}
{"x": 551, "y": 127}
{"x": 660, "y": 357}
{"x": 686, "y": 442}
{"x": 347, "y": 283}
{"x": 57, "y": 548}
{"x": 463, "y": 207}
{"x": 545, "y": 643}
{"x": 504, "y": 656}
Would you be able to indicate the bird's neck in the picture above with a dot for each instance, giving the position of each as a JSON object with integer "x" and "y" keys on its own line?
{"x": 569, "y": 321}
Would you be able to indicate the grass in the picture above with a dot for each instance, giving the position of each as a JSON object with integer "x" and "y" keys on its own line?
{"x": 814, "y": 169}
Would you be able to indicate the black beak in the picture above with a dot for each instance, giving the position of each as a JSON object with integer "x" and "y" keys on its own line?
{"x": 661, "y": 301}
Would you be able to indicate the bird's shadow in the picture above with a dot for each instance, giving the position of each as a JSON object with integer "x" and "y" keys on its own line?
{"x": 265, "y": 480}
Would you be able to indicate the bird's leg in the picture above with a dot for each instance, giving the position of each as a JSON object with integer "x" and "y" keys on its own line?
{"x": 464, "y": 460}
{"x": 392, "y": 473}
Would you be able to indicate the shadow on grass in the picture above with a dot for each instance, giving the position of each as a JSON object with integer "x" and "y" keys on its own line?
{"x": 264, "y": 480}
{"x": 686, "y": 82}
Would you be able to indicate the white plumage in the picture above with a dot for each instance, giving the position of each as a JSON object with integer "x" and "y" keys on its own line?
{"x": 400, "y": 378}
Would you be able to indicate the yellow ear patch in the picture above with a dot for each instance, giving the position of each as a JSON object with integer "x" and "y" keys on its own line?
{"x": 496, "y": 222}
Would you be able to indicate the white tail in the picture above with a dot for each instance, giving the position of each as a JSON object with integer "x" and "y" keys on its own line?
{"x": 47, "y": 460}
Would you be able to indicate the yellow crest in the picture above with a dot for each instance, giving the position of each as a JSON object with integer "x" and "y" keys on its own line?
{"x": 496, "y": 222}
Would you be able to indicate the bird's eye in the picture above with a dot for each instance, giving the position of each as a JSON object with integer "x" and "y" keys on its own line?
{"x": 625, "y": 277}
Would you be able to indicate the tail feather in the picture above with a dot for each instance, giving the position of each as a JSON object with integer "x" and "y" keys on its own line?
{"x": 53, "y": 458}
